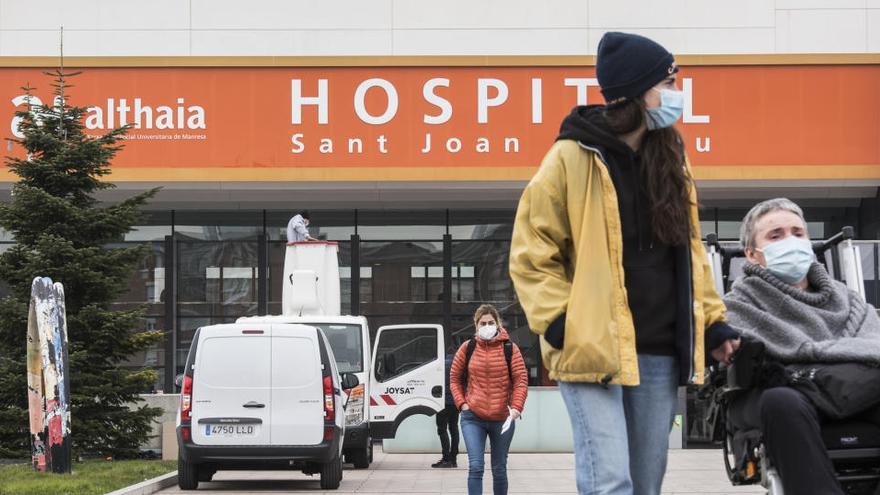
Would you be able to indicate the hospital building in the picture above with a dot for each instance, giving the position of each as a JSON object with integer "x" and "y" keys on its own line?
{"x": 409, "y": 128}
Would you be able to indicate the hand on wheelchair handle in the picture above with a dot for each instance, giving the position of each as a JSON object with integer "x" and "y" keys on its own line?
{"x": 725, "y": 352}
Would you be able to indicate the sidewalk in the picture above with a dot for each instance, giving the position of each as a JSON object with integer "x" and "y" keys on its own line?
{"x": 689, "y": 472}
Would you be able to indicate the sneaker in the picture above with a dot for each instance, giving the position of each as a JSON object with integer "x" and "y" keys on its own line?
{"x": 439, "y": 464}
{"x": 448, "y": 464}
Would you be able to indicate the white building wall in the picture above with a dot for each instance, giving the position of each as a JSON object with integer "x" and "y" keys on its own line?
{"x": 421, "y": 27}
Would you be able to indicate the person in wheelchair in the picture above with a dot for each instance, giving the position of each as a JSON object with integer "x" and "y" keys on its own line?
{"x": 789, "y": 303}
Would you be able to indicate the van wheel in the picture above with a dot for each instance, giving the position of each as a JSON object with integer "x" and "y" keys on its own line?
{"x": 360, "y": 458}
{"x": 206, "y": 474}
{"x": 331, "y": 474}
{"x": 187, "y": 475}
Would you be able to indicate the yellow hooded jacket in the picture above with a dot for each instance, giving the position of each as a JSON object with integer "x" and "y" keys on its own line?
{"x": 566, "y": 257}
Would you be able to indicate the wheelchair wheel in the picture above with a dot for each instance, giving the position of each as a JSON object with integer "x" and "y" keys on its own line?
{"x": 735, "y": 476}
{"x": 727, "y": 451}
{"x": 773, "y": 482}
{"x": 746, "y": 471}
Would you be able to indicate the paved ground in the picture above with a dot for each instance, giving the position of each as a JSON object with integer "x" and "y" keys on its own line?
{"x": 689, "y": 472}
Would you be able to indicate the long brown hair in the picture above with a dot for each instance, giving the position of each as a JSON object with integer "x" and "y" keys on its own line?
{"x": 664, "y": 175}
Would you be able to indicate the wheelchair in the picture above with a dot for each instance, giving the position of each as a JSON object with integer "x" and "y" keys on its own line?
{"x": 852, "y": 445}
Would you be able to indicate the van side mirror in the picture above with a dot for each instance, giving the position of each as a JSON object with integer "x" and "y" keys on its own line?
{"x": 349, "y": 381}
{"x": 178, "y": 381}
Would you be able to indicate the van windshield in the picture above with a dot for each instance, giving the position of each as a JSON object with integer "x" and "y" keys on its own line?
{"x": 347, "y": 345}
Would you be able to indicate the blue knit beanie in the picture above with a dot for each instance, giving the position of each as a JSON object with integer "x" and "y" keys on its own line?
{"x": 627, "y": 65}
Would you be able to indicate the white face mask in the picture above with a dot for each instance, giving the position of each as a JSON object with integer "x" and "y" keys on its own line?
{"x": 487, "y": 332}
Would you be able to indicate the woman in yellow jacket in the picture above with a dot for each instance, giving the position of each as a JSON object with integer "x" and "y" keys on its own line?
{"x": 608, "y": 264}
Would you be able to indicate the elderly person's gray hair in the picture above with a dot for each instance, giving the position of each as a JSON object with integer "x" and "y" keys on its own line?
{"x": 747, "y": 229}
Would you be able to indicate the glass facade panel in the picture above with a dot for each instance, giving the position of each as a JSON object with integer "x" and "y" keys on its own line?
{"x": 4, "y": 287}
{"x": 392, "y": 225}
{"x": 401, "y": 272}
{"x": 218, "y": 225}
{"x": 6, "y": 236}
{"x": 153, "y": 357}
{"x": 871, "y": 270}
{"x": 729, "y": 229}
{"x": 401, "y": 266}
{"x": 146, "y": 289}
{"x": 399, "y": 282}
{"x": 708, "y": 222}
{"x": 480, "y": 272}
{"x": 217, "y": 278}
{"x": 481, "y": 224}
{"x": 154, "y": 226}
{"x": 147, "y": 283}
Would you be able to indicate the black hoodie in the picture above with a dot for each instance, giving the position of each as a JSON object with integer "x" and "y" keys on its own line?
{"x": 649, "y": 265}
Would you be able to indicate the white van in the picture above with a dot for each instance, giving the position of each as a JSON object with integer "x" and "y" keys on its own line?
{"x": 403, "y": 377}
{"x": 261, "y": 396}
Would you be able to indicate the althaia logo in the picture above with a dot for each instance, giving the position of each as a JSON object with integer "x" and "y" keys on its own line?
{"x": 119, "y": 112}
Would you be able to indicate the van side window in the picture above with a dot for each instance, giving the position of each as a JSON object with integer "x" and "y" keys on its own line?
{"x": 402, "y": 350}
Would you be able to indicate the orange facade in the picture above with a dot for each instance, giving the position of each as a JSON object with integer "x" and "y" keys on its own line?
{"x": 449, "y": 123}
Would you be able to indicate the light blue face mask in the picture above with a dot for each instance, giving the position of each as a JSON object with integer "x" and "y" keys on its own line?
{"x": 789, "y": 259}
{"x": 669, "y": 111}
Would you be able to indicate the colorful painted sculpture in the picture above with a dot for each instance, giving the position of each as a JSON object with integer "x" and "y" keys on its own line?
{"x": 48, "y": 378}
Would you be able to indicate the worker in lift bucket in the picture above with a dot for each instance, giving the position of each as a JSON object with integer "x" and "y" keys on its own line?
{"x": 297, "y": 228}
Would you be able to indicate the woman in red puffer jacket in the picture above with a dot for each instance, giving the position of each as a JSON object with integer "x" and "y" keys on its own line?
{"x": 487, "y": 393}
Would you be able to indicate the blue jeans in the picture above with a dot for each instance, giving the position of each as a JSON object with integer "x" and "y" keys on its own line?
{"x": 621, "y": 434}
{"x": 475, "y": 430}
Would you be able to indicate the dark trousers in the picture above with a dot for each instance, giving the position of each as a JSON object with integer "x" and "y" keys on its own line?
{"x": 447, "y": 430}
{"x": 790, "y": 426}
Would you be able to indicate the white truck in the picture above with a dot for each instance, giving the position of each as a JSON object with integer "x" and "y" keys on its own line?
{"x": 401, "y": 376}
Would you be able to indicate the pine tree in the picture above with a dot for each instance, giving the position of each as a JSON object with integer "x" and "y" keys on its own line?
{"x": 61, "y": 231}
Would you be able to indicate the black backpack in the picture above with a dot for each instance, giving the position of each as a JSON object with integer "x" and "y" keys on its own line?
{"x": 472, "y": 344}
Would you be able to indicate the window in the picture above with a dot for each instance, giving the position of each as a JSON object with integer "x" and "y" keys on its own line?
{"x": 154, "y": 226}
{"x": 218, "y": 225}
{"x": 869, "y": 254}
{"x": 388, "y": 225}
{"x": 401, "y": 272}
{"x": 218, "y": 276}
{"x": 480, "y": 272}
{"x": 347, "y": 345}
{"x": 481, "y": 224}
{"x": 404, "y": 349}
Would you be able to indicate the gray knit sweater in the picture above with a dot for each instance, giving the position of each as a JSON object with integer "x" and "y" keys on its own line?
{"x": 826, "y": 323}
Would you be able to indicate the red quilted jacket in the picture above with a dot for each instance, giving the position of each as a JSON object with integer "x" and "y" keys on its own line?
{"x": 489, "y": 388}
